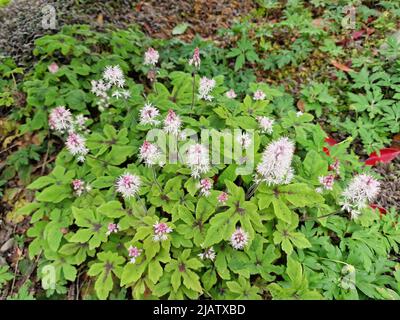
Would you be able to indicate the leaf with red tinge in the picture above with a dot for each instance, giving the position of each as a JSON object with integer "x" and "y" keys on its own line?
{"x": 341, "y": 66}
{"x": 386, "y": 155}
{"x": 381, "y": 210}
{"x": 331, "y": 142}
{"x": 357, "y": 34}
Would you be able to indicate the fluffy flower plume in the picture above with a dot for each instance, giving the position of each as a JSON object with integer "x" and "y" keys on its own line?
{"x": 223, "y": 198}
{"x": 265, "y": 124}
{"x": 362, "y": 190}
{"x": 76, "y": 145}
{"x": 148, "y": 115}
{"x": 231, "y": 94}
{"x": 275, "y": 167}
{"x": 150, "y": 154}
{"x": 112, "y": 228}
{"x": 133, "y": 253}
{"x": 198, "y": 159}
{"x": 239, "y": 239}
{"x": 205, "y": 186}
{"x": 151, "y": 57}
{"x": 161, "y": 231}
{"x": 114, "y": 76}
{"x": 259, "y": 95}
{"x": 128, "y": 185}
{"x": 244, "y": 139}
{"x": 60, "y": 119}
{"x": 207, "y": 254}
{"x": 100, "y": 88}
{"x": 205, "y": 87}
{"x": 195, "y": 60}
{"x": 172, "y": 123}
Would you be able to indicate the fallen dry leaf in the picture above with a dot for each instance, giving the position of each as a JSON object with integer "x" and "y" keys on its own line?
{"x": 341, "y": 66}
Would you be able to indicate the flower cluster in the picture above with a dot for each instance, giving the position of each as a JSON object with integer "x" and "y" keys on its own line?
{"x": 231, "y": 94}
{"x": 151, "y": 57}
{"x": 80, "y": 187}
{"x": 244, "y": 139}
{"x": 205, "y": 87}
{"x": 326, "y": 182}
{"x": 223, "y": 198}
{"x": 76, "y": 145}
{"x": 239, "y": 239}
{"x": 205, "y": 186}
{"x": 265, "y": 124}
{"x": 61, "y": 120}
{"x": 360, "y": 192}
{"x": 195, "y": 60}
{"x": 150, "y": 154}
{"x": 112, "y": 77}
{"x": 149, "y": 114}
{"x": 198, "y": 159}
{"x": 172, "y": 123}
{"x": 259, "y": 95}
{"x": 133, "y": 253}
{"x": 275, "y": 167}
{"x": 161, "y": 231}
{"x": 128, "y": 185}
{"x": 208, "y": 253}
{"x": 112, "y": 228}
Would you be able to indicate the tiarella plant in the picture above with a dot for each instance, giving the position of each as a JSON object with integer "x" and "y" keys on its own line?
{"x": 181, "y": 188}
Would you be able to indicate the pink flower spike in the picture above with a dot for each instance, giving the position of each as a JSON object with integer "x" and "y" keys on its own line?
{"x": 239, "y": 239}
{"x": 172, "y": 123}
{"x": 151, "y": 57}
{"x": 195, "y": 60}
{"x": 78, "y": 186}
{"x": 205, "y": 186}
{"x": 133, "y": 253}
{"x": 223, "y": 197}
{"x": 161, "y": 231}
{"x": 128, "y": 185}
{"x": 112, "y": 228}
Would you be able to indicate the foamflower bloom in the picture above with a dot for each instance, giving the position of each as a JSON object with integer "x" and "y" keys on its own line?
{"x": 205, "y": 87}
{"x": 265, "y": 124}
{"x": 231, "y": 94}
{"x": 114, "y": 76}
{"x": 205, "y": 186}
{"x": 76, "y": 145}
{"x": 208, "y": 253}
{"x": 150, "y": 154}
{"x": 149, "y": 114}
{"x": 128, "y": 185}
{"x": 275, "y": 166}
{"x": 244, "y": 139}
{"x": 60, "y": 119}
{"x": 223, "y": 198}
{"x": 195, "y": 60}
{"x": 172, "y": 123}
{"x": 239, "y": 239}
{"x": 362, "y": 190}
{"x": 112, "y": 228}
{"x": 259, "y": 95}
{"x": 161, "y": 231}
{"x": 198, "y": 159}
{"x": 151, "y": 57}
{"x": 133, "y": 253}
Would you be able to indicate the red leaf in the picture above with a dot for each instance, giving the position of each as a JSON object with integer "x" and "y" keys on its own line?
{"x": 381, "y": 210}
{"x": 330, "y": 141}
{"x": 357, "y": 34}
{"x": 386, "y": 155}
